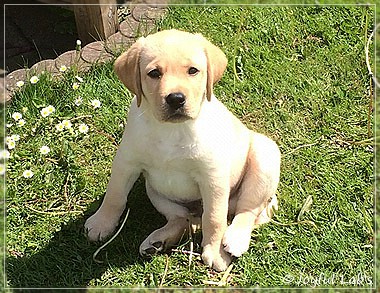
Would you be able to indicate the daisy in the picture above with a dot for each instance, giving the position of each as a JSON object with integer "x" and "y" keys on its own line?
{"x": 83, "y": 128}
{"x": 95, "y": 103}
{"x": 75, "y": 86}
{"x": 60, "y": 127}
{"x": 21, "y": 123}
{"x": 78, "y": 101}
{"x": 16, "y": 116}
{"x": 47, "y": 111}
{"x": 11, "y": 144}
{"x": 67, "y": 124}
{"x": 34, "y": 79}
{"x": 15, "y": 137}
{"x": 4, "y": 155}
{"x": 20, "y": 83}
{"x": 44, "y": 150}
{"x": 2, "y": 169}
{"x": 27, "y": 174}
{"x": 63, "y": 68}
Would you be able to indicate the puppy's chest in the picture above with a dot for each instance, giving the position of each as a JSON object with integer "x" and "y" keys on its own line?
{"x": 171, "y": 165}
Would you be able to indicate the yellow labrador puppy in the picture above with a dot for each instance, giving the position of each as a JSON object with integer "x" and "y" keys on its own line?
{"x": 199, "y": 161}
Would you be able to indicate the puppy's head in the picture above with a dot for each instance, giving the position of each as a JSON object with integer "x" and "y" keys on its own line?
{"x": 173, "y": 72}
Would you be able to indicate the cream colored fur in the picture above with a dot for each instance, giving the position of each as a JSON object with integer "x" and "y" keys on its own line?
{"x": 199, "y": 152}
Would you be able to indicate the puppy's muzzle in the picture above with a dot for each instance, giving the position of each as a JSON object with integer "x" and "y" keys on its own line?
{"x": 175, "y": 100}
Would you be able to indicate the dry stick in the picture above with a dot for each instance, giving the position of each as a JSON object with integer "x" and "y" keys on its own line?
{"x": 109, "y": 241}
{"x": 372, "y": 77}
{"x": 300, "y": 147}
{"x": 53, "y": 213}
{"x": 165, "y": 271}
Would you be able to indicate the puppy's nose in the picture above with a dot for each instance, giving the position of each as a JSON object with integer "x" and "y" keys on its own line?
{"x": 175, "y": 100}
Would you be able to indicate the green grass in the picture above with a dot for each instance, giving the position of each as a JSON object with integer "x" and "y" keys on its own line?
{"x": 296, "y": 74}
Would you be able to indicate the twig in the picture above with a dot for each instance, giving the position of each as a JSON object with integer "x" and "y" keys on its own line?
{"x": 80, "y": 117}
{"x": 367, "y": 55}
{"x": 165, "y": 271}
{"x": 186, "y": 252}
{"x": 107, "y": 136}
{"x": 53, "y": 213}
{"x": 295, "y": 223}
{"x": 109, "y": 241}
{"x": 223, "y": 280}
{"x": 301, "y": 147}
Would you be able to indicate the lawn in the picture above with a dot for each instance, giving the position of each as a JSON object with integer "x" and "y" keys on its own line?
{"x": 296, "y": 74}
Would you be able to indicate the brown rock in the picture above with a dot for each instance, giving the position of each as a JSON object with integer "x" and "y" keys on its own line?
{"x": 118, "y": 43}
{"x": 95, "y": 53}
{"x": 45, "y": 65}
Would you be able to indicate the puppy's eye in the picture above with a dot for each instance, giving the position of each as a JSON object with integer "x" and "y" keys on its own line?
{"x": 155, "y": 74}
{"x": 193, "y": 71}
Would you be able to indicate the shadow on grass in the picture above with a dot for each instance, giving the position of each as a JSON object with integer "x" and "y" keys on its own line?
{"x": 66, "y": 262}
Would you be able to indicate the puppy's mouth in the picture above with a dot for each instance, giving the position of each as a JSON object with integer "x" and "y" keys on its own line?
{"x": 176, "y": 116}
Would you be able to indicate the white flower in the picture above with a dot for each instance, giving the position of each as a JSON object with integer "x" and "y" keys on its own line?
{"x": 2, "y": 169}
{"x": 44, "y": 150}
{"x": 16, "y": 116}
{"x": 21, "y": 123}
{"x": 79, "y": 78}
{"x": 47, "y": 111}
{"x": 79, "y": 42}
{"x": 95, "y": 103}
{"x": 4, "y": 155}
{"x": 9, "y": 125}
{"x": 20, "y": 83}
{"x": 24, "y": 109}
{"x": 78, "y": 101}
{"x": 34, "y": 79}
{"x": 27, "y": 174}
{"x": 11, "y": 144}
{"x": 15, "y": 137}
{"x": 66, "y": 123}
{"x": 63, "y": 68}
{"x": 75, "y": 86}
{"x": 83, "y": 128}
{"x": 60, "y": 127}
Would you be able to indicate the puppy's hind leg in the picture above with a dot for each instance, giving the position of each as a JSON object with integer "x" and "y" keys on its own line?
{"x": 256, "y": 194}
{"x": 178, "y": 222}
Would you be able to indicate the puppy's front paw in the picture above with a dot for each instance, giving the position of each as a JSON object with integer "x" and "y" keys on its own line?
{"x": 99, "y": 226}
{"x": 236, "y": 240}
{"x": 217, "y": 259}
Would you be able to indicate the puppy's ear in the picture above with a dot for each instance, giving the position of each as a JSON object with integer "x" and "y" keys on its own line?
{"x": 216, "y": 64}
{"x": 128, "y": 70}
